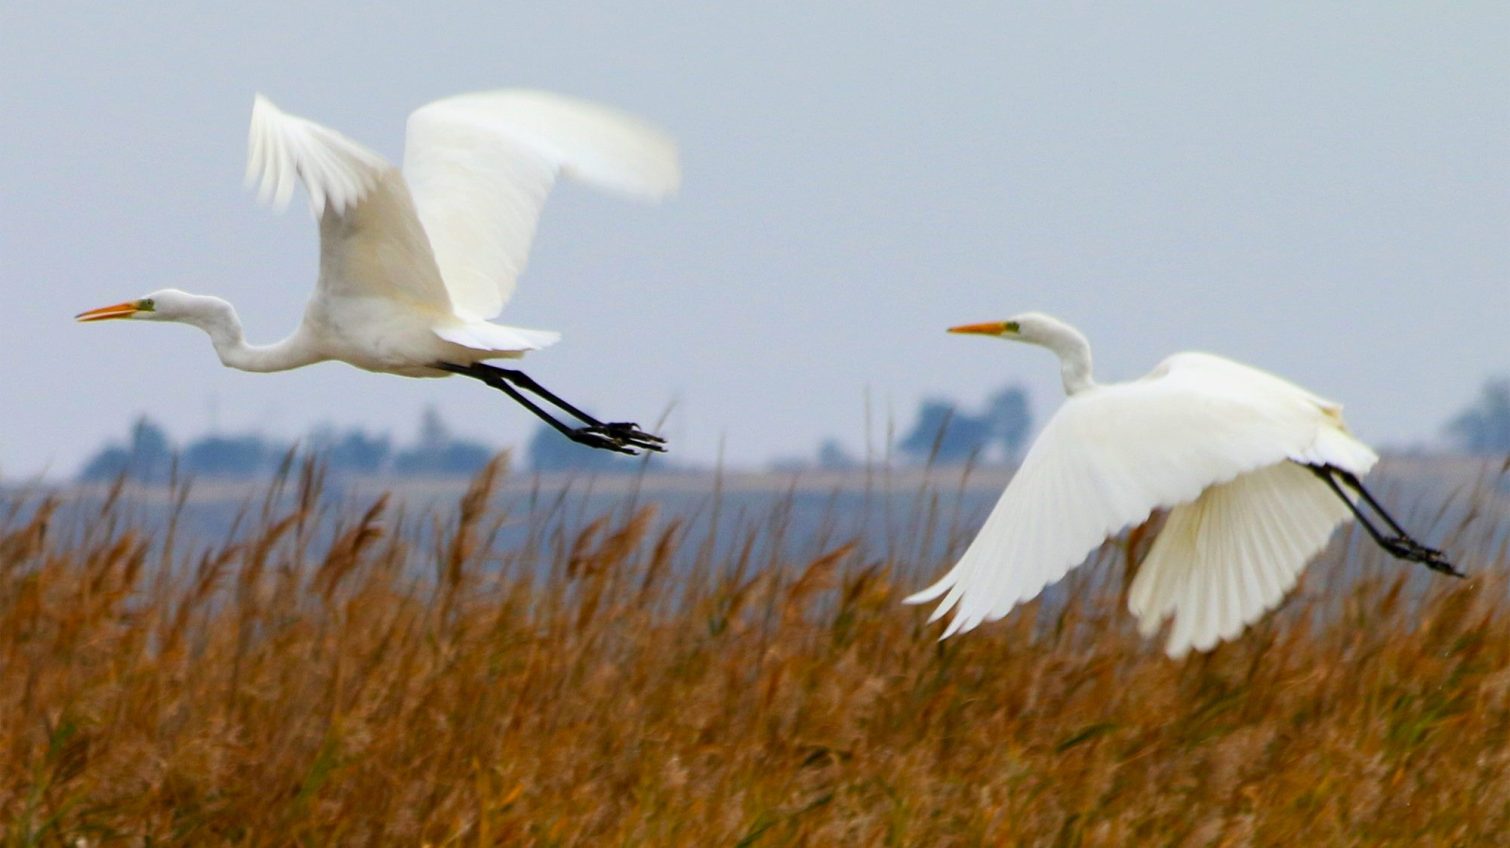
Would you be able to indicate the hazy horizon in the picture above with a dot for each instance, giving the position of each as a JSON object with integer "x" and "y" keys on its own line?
{"x": 1320, "y": 191}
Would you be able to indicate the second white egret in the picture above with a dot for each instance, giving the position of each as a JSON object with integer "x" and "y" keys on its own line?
{"x": 1255, "y": 471}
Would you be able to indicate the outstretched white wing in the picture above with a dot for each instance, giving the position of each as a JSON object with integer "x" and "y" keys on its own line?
{"x": 480, "y": 166}
{"x": 371, "y": 241}
{"x": 1113, "y": 454}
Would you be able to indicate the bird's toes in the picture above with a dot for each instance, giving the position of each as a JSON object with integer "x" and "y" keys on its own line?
{"x": 594, "y": 437}
{"x": 1410, "y": 549}
{"x": 1439, "y": 563}
{"x": 630, "y": 430}
{"x": 627, "y": 433}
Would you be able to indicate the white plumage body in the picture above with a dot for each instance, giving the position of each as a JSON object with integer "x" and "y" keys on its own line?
{"x": 1221, "y": 445}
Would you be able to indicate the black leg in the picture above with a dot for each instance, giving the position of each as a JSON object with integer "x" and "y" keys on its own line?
{"x": 526, "y": 382}
{"x": 621, "y": 437}
{"x": 582, "y": 436}
{"x": 1400, "y": 545}
{"x": 1356, "y": 485}
{"x": 623, "y": 432}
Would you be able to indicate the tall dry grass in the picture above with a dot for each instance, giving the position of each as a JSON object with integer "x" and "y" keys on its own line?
{"x": 598, "y": 690}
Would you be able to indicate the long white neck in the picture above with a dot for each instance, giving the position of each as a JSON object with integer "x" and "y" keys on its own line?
{"x": 1074, "y": 356}
{"x": 218, "y": 319}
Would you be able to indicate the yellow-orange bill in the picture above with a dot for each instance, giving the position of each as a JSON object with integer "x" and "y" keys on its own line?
{"x": 990, "y": 328}
{"x": 117, "y": 310}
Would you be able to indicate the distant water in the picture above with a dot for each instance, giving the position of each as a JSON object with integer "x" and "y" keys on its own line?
{"x": 921, "y": 518}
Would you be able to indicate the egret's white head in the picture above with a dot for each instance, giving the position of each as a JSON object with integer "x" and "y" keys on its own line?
{"x": 162, "y": 305}
{"x": 1037, "y": 328}
{"x": 1031, "y": 327}
{"x": 217, "y": 318}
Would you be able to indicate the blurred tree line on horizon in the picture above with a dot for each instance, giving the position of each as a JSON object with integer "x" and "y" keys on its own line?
{"x": 1484, "y": 427}
{"x": 149, "y": 456}
{"x": 941, "y": 433}
{"x": 944, "y": 434}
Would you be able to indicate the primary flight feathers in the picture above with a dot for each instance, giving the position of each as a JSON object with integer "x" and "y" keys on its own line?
{"x": 283, "y": 149}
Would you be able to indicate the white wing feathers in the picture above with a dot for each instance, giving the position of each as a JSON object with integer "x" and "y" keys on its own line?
{"x": 1113, "y": 454}
{"x": 337, "y": 172}
{"x": 479, "y": 167}
{"x": 1223, "y": 561}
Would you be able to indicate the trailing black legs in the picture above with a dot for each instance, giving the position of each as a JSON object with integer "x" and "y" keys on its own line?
{"x": 1399, "y": 544}
{"x": 619, "y": 436}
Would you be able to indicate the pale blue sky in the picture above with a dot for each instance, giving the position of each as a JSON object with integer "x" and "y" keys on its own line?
{"x": 1319, "y": 189}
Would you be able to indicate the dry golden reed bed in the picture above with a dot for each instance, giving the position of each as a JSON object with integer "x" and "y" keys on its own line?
{"x": 392, "y": 693}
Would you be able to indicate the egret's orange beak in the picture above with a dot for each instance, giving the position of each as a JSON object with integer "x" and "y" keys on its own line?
{"x": 990, "y": 328}
{"x": 119, "y": 310}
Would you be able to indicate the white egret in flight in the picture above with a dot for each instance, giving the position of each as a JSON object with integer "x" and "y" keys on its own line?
{"x": 1255, "y": 471}
{"x": 414, "y": 263}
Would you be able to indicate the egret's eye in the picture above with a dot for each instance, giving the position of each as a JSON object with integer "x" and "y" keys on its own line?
{"x": 1011, "y": 327}
{"x": 146, "y": 304}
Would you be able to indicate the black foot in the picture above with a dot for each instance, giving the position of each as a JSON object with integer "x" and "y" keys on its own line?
{"x": 630, "y": 431}
{"x": 1413, "y": 551}
{"x": 620, "y": 437}
{"x": 627, "y": 434}
{"x": 595, "y": 437}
